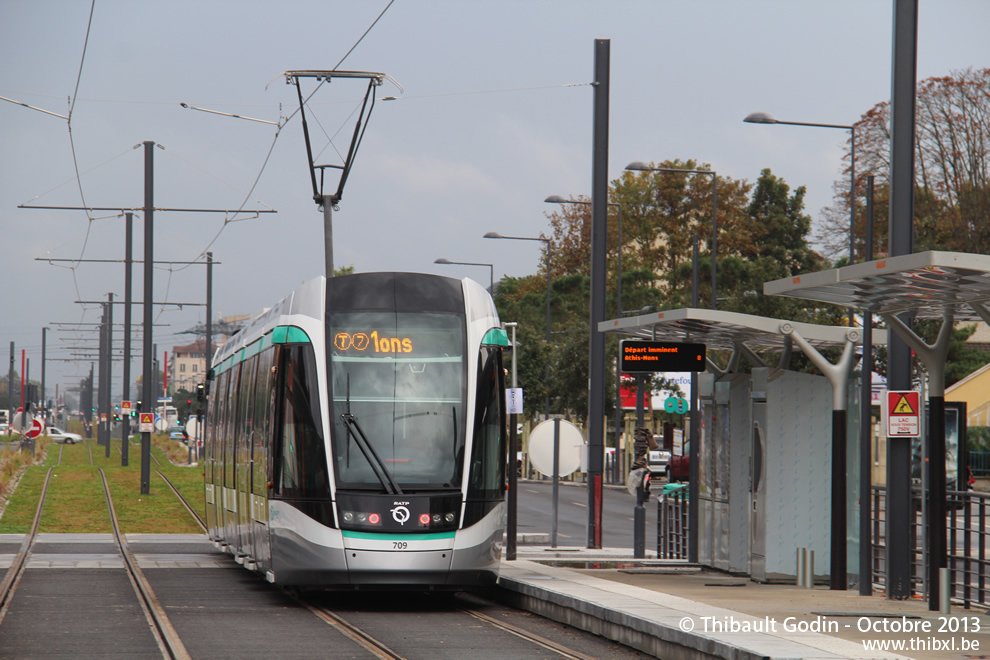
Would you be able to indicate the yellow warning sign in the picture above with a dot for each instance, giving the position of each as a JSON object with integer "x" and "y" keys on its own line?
{"x": 903, "y": 407}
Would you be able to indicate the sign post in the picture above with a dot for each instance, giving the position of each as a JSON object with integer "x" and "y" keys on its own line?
{"x": 147, "y": 422}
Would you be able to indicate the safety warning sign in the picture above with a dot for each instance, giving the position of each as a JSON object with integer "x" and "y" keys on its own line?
{"x": 902, "y": 414}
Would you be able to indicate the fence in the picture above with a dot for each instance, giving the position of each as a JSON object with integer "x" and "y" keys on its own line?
{"x": 672, "y": 523}
{"x": 967, "y": 540}
{"x": 979, "y": 463}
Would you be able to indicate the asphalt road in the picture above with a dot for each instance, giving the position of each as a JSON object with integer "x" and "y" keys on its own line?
{"x": 535, "y": 510}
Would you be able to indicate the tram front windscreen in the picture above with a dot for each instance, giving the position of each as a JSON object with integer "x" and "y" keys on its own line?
{"x": 398, "y": 399}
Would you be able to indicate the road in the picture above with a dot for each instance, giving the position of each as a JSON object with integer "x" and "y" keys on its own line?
{"x": 535, "y": 507}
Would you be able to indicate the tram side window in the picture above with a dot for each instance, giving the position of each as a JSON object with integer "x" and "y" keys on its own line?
{"x": 262, "y": 419}
{"x": 245, "y": 419}
{"x": 487, "y": 473}
{"x": 229, "y": 427}
{"x": 302, "y": 462}
{"x": 218, "y": 397}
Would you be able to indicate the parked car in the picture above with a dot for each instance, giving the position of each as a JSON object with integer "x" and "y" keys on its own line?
{"x": 178, "y": 433}
{"x": 58, "y": 435}
{"x": 658, "y": 460}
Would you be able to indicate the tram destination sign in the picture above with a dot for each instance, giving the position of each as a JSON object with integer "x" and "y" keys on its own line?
{"x": 636, "y": 355}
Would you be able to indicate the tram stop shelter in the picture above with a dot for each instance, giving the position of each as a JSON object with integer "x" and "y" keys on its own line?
{"x": 951, "y": 286}
{"x": 770, "y": 448}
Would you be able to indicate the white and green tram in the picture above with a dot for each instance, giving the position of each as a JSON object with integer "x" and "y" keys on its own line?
{"x": 356, "y": 435}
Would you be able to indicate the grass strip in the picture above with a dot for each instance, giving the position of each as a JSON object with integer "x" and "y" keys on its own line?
{"x": 19, "y": 514}
{"x": 76, "y": 503}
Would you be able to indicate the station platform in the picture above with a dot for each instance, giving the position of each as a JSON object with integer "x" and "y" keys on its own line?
{"x": 674, "y": 610}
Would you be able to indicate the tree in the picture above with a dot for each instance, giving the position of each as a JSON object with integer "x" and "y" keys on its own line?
{"x": 760, "y": 238}
{"x": 952, "y": 169}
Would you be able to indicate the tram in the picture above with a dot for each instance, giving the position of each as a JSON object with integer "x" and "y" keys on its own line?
{"x": 356, "y": 436}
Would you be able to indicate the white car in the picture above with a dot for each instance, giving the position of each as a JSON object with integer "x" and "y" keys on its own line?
{"x": 58, "y": 435}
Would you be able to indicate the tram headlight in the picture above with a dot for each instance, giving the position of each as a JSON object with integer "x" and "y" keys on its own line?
{"x": 449, "y": 517}
{"x": 361, "y": 518}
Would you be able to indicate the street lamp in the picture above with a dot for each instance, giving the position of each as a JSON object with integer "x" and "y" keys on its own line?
{"x": 767, "y": 118}
{"x": 557, "y": 199}
{"x": 491, "y": 285}
{"x": 640, "y": 166}
{"x": 549, "y": 244}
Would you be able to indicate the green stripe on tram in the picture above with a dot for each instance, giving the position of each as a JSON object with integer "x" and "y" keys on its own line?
{"x": 436, "y": 536}
{"x": 283, "y": 334}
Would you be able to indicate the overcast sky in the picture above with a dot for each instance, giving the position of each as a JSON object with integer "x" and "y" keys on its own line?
{"x": 496, "y": 114}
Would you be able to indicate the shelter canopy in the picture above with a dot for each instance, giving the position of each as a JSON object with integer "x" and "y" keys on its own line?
{"x": 722, "y": 331}
{"x": 925, "y": 282}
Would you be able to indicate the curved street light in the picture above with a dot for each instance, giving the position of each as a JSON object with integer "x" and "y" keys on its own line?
{"x": 448, "y": 262}
{"x": 549, "y": 244}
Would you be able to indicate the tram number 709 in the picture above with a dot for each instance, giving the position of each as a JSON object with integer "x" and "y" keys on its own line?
{"x": 399, "y": 545}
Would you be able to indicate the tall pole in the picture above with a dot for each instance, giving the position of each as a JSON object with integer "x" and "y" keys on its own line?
{"x": 901, "y": 242}
{"x": 599, "y": 235}
{"x": 10, "y": 389}
{"x": 209, "y": 347}
{"x": 694, "y": 451}
{"x": 714, "y": 238}
{"x": 44, "y": 400}
{"x": 546, "y": 371}
{"x": 108, "y": 400}
{"x": 866, "y": 424}
{"x": 149, "y": 254}
{"x": 128, "y": 260}
{"x": 511, "y": 526}
{"x": 101, "y": 435}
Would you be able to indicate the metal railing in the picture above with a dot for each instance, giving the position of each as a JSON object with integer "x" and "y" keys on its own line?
{"x": 672, "y": 524}
{"x": 967, "y": 540}
{"x": 966, "y": 543}
{"x": 979, "y": 463}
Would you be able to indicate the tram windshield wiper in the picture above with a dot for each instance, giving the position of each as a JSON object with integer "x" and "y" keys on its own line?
{"x": 361, "y": 440}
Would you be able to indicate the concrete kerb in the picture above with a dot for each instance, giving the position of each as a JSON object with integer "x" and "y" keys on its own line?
{"x": 652, "y": 622}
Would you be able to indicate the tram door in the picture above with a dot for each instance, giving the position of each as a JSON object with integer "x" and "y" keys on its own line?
{"x": 264, "y": 406}
{"x": 242, "y": 452}
{"x": 229, "y": 461}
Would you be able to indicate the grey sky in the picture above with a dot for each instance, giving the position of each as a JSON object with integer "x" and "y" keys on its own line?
{"x": 486, "y": 129}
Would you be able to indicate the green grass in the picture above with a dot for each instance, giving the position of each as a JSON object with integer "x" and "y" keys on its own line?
{"x": 76, "y": 502}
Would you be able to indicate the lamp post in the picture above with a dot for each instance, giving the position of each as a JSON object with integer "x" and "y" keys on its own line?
{"x": 767, "y": 118}
{"x": 557, "y": 199}
{"x": 491, "y": 284}
{"x": 865, "y": 586}
{"x": 640, "y": 166}
{"x": 549, "y": 244}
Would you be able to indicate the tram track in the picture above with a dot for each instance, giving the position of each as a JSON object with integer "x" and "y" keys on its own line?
{"x": 19, "y": 564}
{"x": 384, "y": 651}
{"x": 165, "y": 634}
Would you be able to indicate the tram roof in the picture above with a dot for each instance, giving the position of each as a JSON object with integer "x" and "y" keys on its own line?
{"x": 721, "y": 331}
{"x": 925, "y": 283}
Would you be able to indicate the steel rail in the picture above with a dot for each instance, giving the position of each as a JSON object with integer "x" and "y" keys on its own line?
{"x": 363, "y": 639}
{"x": 16, "y": 570}
{"x": 196, "y": 516}
{"x": 528, "y": 636}
{"x": 168, "y": 639}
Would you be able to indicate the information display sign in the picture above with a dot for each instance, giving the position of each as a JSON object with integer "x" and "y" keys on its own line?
{"x": 651, "y": 356}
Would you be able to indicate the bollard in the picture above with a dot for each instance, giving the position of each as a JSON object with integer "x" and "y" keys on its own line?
{"x": 809, "y": 566}
{"x": 944, "y": 590}
{"x": 801, "y": 556}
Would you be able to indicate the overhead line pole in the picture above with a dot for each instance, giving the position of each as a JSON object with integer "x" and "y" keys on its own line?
{"x": 149, "y": 274}
{"x": 599, "y": 233}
